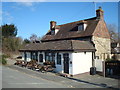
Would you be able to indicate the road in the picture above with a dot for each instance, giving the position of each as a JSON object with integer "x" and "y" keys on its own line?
{"x": 15, "y": 79}
{"x": 18, "y": 77}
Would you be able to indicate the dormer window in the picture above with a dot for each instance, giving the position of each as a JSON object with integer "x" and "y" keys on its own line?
{"x": 82, "y": 26}
{"x": 55, "y": 30}
{"x": 52, "y": 32}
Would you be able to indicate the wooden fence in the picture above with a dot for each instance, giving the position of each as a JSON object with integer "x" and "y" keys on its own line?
{"x": 112, "y": 68}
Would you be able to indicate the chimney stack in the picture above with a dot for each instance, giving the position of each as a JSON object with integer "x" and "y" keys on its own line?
{"x": 100, "y": 14}
{"x": 52, "y": 25}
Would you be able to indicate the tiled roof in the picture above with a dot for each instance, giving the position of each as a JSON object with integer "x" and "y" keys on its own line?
{"x": 63, "y": 45}
{"x": 70, "y": 30}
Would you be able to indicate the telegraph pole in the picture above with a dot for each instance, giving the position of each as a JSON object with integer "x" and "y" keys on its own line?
{"x": 95, "y": 7}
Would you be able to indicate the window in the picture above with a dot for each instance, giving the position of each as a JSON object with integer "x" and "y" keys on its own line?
{"x": 25, "y": 55}
{"x": 50, "y": 56}
{"x": 58, "y": 59}
{"x": 52, "y": 32}
{"x": 80, "y": 27}
{"x": 47, "y": 56}
{"x": 34, "y": 55}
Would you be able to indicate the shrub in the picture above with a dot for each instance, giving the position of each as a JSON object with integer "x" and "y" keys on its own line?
{"x": 3, "y": 60}
{"x": 5, "y": 56}
{"x": 109, "y": 59}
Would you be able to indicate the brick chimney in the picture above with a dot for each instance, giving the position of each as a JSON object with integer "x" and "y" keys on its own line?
{"x": 54, "y": 28}
{"x": 52, "y": 25}
{"x": 100, "y": 14}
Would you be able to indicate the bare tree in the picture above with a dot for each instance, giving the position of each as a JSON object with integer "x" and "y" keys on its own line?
{"x": 33, "y": 38}
{"x": 113, "y": 32}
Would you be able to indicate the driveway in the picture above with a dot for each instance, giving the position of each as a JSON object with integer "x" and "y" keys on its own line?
{"x": 18, "y": 77}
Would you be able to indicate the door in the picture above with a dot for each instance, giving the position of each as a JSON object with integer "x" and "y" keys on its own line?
{"x": 66, "y": 62}
{"x": 40, "y": 57}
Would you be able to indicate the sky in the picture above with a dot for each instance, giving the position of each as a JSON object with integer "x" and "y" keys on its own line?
{"x": 34, "y": 17}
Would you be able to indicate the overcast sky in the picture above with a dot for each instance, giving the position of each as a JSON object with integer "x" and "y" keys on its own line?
{"x": 34, "y": 17}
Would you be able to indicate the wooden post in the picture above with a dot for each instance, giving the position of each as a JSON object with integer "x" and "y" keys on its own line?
{"x": 104, "y": 64}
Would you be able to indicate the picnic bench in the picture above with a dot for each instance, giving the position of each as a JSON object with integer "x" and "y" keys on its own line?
{"x": 45, "y": 67}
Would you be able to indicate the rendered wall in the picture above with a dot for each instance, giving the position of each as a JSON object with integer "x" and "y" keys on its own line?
{"x": 81, "y": 62}
{"x": 99, "y": 65}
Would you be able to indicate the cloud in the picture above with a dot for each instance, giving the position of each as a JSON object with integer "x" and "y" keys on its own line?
{"x": 7, "y": 16}
{"x": 28, "y": 4}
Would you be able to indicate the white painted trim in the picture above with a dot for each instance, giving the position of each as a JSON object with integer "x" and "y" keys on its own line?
{"x": 43, "y": 53}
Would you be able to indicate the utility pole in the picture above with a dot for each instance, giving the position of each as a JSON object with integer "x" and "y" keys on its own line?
{"x": 94, "y": 6}
{"x": 104, "y": 64}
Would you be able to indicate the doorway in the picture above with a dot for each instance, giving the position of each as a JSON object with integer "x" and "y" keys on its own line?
{"x": 40, "y": 57}
{"x": 66, "y": 62}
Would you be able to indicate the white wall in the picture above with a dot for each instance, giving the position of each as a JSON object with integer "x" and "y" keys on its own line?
{"x": 99, "y": 65}
{"x": 81, "y": 62}
{"x": 59, "y": 68}
{"x": 22, "y": 55}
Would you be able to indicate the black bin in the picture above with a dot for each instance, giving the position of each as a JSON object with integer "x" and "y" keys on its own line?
{"x": 92, "y": 70}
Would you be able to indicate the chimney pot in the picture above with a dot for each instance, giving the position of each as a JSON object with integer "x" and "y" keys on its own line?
{"x": 100, "y": 13}
{"x": 52, "y": 25}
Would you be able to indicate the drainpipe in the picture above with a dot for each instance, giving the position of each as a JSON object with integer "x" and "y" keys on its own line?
{"x": 93, "y": 62}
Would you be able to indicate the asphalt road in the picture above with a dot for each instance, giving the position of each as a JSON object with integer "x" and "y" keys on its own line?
{"x": 18, "y": 77}
{"x": 15, "y": 79}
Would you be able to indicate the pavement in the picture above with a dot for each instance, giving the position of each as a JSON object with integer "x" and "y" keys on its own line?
{"x": 79, "y": 81}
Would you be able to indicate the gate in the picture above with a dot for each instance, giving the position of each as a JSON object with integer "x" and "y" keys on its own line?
{"x": 112, "y": 68}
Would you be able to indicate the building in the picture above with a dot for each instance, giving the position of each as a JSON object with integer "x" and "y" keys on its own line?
{"x": 115, "y": 51}
{"x": 72, "y": 46}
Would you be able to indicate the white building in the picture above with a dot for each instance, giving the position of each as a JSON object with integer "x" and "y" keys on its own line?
{"x": 72, "y": 46}
{"x": 68, "y": 57}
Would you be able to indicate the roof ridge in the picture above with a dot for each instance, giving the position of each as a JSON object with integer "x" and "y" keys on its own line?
{"x": 77, "y": 21}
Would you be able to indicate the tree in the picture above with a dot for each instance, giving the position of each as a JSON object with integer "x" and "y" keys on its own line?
{"x": 26, "y": 41}
{"x": 33, "y": 38}
{"x": 0, "y": 39}
{"x": 113, "y": 32}
{"x": 9, "y": 30}
{"x": 10, "y": 43}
